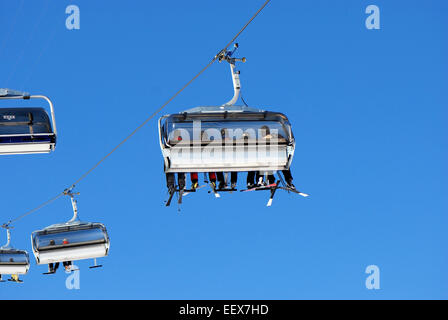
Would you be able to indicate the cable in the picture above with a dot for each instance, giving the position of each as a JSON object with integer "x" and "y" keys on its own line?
{"x": 33, "y": 210}
{"x": 245, "y": 26}
{"x": 142, "y": 125}
{"x": 84, "y": 175}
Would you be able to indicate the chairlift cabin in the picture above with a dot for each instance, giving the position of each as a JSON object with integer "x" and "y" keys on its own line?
{"x": 26, "y": 130}
{"x": 70, "y": 241}
{"x": 226, "y": 138}
{"x": 13, "y": 261}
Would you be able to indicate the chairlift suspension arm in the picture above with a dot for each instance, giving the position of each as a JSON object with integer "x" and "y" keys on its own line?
{"x": 75, "y": 209}
{"x": 74, "y": 205}
{"x": 8, "y": 236}
{"x": 235, "y": 74}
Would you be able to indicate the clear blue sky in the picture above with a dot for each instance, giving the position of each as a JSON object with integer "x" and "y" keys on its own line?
{"x": 368, "y": 108}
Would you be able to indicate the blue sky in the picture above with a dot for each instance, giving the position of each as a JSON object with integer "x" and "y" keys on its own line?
{"x": 368, "y": 108}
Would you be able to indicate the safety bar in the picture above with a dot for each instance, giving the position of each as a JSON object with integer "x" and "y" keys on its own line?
{"x": 27, "y": 135}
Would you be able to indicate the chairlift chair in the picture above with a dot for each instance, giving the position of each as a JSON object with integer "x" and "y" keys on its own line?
{"x": 26, "y": 130}
{"x": 13, "y": 262}
{"x": 70, "y": 241}
{"x": 237, "y": 132}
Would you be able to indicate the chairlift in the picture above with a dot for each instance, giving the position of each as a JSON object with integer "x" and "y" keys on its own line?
{"x": 26, "y": 130}
{"x": 187, "y": 138}
{"x": 226, "y": 138}
{"x": 70, "y": 241}
{"x": 13, "y": 262}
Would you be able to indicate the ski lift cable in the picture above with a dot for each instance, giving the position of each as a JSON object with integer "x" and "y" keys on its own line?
{"x": 7, "y": 224}
{"x": 84, "y": 175}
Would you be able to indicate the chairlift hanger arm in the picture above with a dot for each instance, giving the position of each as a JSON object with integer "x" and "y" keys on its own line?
{"x": 227, "y": 56}
{"x": 74, "y": 204}
{"x": 8, "y": 236}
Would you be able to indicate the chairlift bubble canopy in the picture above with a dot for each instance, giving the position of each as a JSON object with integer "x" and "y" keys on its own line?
{"x": 13, "y": 261}
{"x": 247, "y": 139}
{"x": 26, "y": 130}
{"x": 70, "y": 241}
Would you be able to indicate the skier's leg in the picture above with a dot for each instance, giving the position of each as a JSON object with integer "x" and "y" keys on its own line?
{"x": 233, "y": 179}
{"x": 181, "y": 180}
{"x": 259, "y": 178}
{"x": 250, "y": 179}
{"x": 170, "y": 181}
{"x": 212, "y": 178}
{"x": 288, "y": 178}
{"x": 220, "y": 177}
{"x": 271, "y": 179}
{"x": 194, "y": 180}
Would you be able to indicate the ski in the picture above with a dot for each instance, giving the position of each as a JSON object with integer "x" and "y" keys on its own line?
{"x": 260, "y": 188}
{"x": 181, "y": 193}
{"x": 50, "y": 272}
{"x": 226, "y": 190}
{"x": 295, "y": 191}
{"x": 273, "y": 190}
{"x": 187, "y": 192}
{"x": 213, "y": 186}
{"x": 168, "y": 202}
